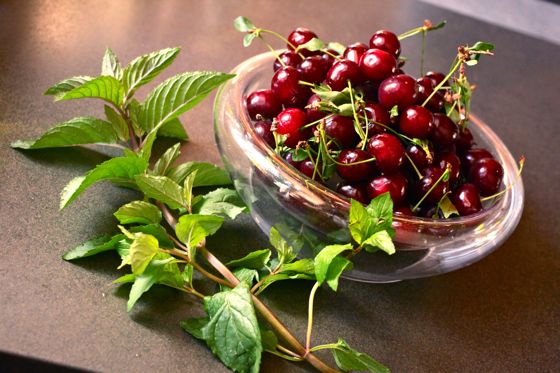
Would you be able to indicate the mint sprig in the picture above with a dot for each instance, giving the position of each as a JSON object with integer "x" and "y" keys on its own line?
{"x": 238, "y": 326}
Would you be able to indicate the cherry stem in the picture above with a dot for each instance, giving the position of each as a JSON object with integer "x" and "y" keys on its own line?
{"x": 357, "y": 125}
{"x": 273, "y": 51}
{"x": 413, "y": 166}
{"x": 283, "y": 39}
{"x": 422, "y": 52}
{"x": 517, "y": 176}
{"x": 437, "y": 87}
{"x": 443, "y": 175}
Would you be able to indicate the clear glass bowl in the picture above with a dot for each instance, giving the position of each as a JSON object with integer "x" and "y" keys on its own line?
{"x": 309, "y": 214}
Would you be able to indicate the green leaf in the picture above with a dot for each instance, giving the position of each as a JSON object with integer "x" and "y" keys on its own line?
{"x": 359, "y": 222}
{"x": 161, "y": 270}
{"x": 326, "y": 259}
{"x": 447, "y": 207}
{"x": 119, "y": 125}
{"x": 92, "y": 247}
{"x": 207, "y": 174}
{"x": 195, "y": 326}
{"x": 176, "y": 95}
{"x": 337, "y": 266}
{"x": 248, "y": 39}
{"x": 363, "y": 221}
{"x": 67, "y": 85}
{"x": 191, "y": 229}
{"x": 77, "y": 131}
{"x": 125, "y": 279}
{"x": 285, "y": 252}
{"x": 246, "y": 275}
{"x": 281, "y": 277}
{"x": 138, "y": 212}
{"x": 313, "y": 45}
{"x": 120, "y": 167}
{"x": 104, "y": 87}
{"x": 232, "y": 332}
{"x": 142, "y": 250}
{"x": 223, "y": 202}
{"x": 187, "y": 274}
{"x": 165, "y": 162}
{"x": 111, "y": 65}
{"x": 349, "y": 359}
{"x": 163, "y": 189}
{"x": 379, "y": 240}
{"x": 269, "y": 339}
{"x": 145, "y": 68}
{"x": 243, "y": 24}
{"x": 173, "y": 129}
{"x": 187, "y": 190}
{"x": 394, "y": 112}
{"x": 482, "y": 46}
{"x": 305, "y": 266}
{"x": 155, "y": 230}
{"x": 254, "y": 260}
{"x": 380, "y": 209}
{"x": 337, "y": 47}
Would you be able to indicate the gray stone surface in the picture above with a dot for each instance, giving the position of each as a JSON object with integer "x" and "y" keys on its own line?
{"x": 498, "y": 315}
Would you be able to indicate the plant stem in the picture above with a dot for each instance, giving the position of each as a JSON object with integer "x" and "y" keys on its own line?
{"x": 453, "y": 69}
{"x": 310, "y": 316}
{"x": 443, "y": 175}
{"x": 264, "y": 311}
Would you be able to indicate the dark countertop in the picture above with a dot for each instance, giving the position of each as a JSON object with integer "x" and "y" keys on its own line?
{"x": 499, "y": 315}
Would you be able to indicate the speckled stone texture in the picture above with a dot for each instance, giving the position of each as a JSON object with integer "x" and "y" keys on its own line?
{"x": 498, "y": 315}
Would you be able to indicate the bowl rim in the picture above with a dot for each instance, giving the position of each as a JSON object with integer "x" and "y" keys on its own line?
{"x": 247, "y": 66}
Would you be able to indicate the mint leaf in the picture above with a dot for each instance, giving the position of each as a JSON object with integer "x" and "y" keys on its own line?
{"x": 207, "y": 174}
{"x": 254, "y": 260}
{"x": 104, "y": 87}
{"x": 166, "y": 160}
{"x": 349, "y": 359}
{"x": 324, "y": 260}
{"x": 304, "y": 266}
{"x": 232, "y": 332}
{"x": 93, "y": 246}
{"x": 67, "y": 85}
{"x": 138, "y": 212}
{"x": 223, "y": 202}
{"x": 195, "y": 326}
{"x": 337, "y": 266}
{"x": 155, "y": 230}
{"x": 176, "y": 95}
{"x": 359, "y": 222}
{"x": 115, "y": 168}
{"x": 246, "y": 275}
{"x": 285, "y": 252}
{"x": 380, "y": 209}
{"x": 142, "y": 250}
{"x": 269, "y": 339}
{"x": 337, "y": 47}
{"x": 119, "y": 125}
{"x": 248, "y": 39}
{"x": 173, "y": 129}
{"x": 191, "y": 229}
{"x": 243, "y": 24}
{"x": 379, "y": 240}
{"x": 111, "y": 65}
{"x": 482, "y": 46}
{"x": 187, "y": 190}
{"x": 363, "y": 222}
{"x": 161, "y": 188}
{"x": 315, "y": 44}
{"x": 283, "y": 276}
{"x": 145, "y": 68}
{"x": 77, "y": 131}
{"x": 447, "y": 207}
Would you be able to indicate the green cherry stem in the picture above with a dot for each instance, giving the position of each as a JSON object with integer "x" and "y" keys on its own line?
{"x": 437, "y": 88}
{"x": 272, "y": 50}
{"x": 283, "y": 39}
{"x": 517, "y": 176}
{"x": 357, "y": 125}
{"x": 413, "y": 166}
{"x": 422, "y": 52}
{"x": 443, "y": 175}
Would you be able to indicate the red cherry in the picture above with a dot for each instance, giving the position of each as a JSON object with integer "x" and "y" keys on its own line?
{"x": 354, "y": 52}
{"x": 289, "y": 157}
{"x": 416, "y": 122}
{"x": 290, "y": 122}
{"x": 377, "y": 64}
{"x": 425, "y": 89}
{"x": 301, "y": 36}
{"x": 386, "y": 41}
{"x": 341, "y": 129}
{"x": 486, "y": 174}
{"x": 285, "y": 86}
{"x": 312, "y": 109}
{"x": 313, "y": 69}
{"x": 395, "y": 184}
{"x": 264, "y": 103}
{"x": 430, "y": 177}
{"x": 375, "y": 113}
{"x": 464, "y": 140}
{"x": 449, "y": 159}
{"x": 342, "y": 72}
{"x": 355, "y": 172}
{"x": 400, "y": 90}
{"x": 445, "y": 133}
{"x": 307, "y": 168}
{"x": 418, "y": 155}
{"x": 387, "y": 151}
{"x": 435, "y": 77}
{"x": 262, "y": 128}
{"x": 471, "y": 156}
{"x": 466, "y": 199}
{"x": 354, "y": 190}
{"x": 290, "y": 58}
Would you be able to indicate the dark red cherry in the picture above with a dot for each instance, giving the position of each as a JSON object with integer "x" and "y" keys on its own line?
{"x": 403, "y": 211}
{"x": 375, "y": 113}
{"x": 328, "y": 57}
{"x": 387, "y": 151}
{"x": 354, "y": 190}
{"x": 290, "y": 122}
{"x": 450, "y": 159}
{"x": 307, "y": 168}
{"x": 432, "y": 177}
{"x": 435, "y": 77}
{"x": 285, "y": 86}
{"x": 354, "y": 52}
{"x": 290, "y": 58}
{"x": 471, "y": 156}
{"x": 466, "y": 199}
{"x": 369, "y": 90}
{"x": 301, "y": 36}
{"x": 377, "y": 65}
{"x": 262, "y": 128}
{"x": 416, "y": 122}
{"x": 264, "y": 103}
{"x": 425, "y": 89}
{"x": 395, "y": 184}
{"x": 400, "y": 90}
{"x": 341, "y": 129}
{"x": 289, "y": 157}
{"x": 386, "y": 41}
{"x": 341, "y": 72}
{"x": 355, "y": 172}
{"x": 486, "y": 174}
{"x": 313, "y": 69}
{"x": 445, "y": 132}
{"x": 312, "y": 109}
{"x": 419, "y": 156}
{"x": 464, "y": 140}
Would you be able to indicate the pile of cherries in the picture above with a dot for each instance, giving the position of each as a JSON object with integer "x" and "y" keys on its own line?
{"x": 406, "y": 154}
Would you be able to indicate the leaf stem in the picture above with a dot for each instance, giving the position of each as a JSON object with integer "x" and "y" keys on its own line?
{"x": 284, "y": 356}
{"x": 310, "y": 316}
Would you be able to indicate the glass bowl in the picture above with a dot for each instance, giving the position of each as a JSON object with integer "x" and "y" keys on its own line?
{"x": 309, "y": 215}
